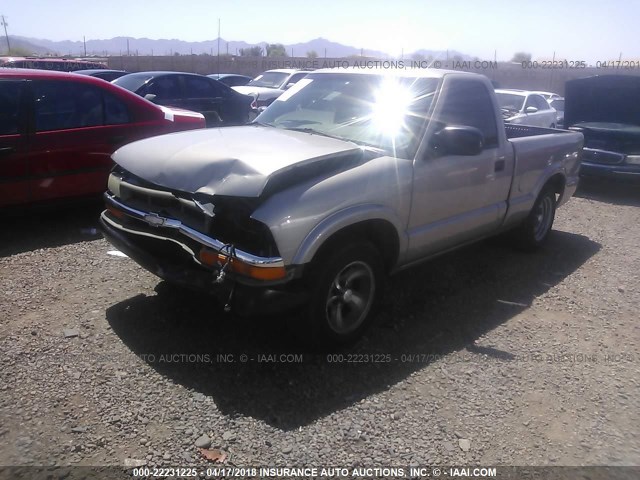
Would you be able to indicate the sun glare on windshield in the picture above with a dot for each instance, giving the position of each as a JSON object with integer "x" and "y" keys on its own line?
{"x": 391, "y": 106}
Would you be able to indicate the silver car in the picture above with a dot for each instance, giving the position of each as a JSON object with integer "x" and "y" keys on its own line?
{"x": 522, "y": 107}
{"x": 558, "y": 105}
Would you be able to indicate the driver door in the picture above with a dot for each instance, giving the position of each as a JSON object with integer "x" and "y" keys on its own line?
{"x": 458, "y": 198}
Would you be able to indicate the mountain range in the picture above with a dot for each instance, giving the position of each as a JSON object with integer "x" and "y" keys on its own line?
{"x": 146, "y": 46}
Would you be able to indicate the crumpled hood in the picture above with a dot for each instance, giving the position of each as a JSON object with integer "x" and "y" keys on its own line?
{"x": 236, "y": 161}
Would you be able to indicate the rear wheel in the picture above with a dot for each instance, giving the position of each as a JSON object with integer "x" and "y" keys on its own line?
{"x": 346, "y": 285}
{"x": 534, "y": 231}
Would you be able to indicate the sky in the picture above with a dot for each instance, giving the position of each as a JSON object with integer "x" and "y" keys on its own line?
{"x": 575, "y": 30}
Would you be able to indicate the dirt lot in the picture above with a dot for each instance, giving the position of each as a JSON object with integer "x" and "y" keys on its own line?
{"x": 485, "y": 356}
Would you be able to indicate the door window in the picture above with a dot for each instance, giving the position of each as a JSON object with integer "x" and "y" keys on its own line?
{"x": 9, "y": 107}
{"x": 115, "y": 111}
{"x": 65, "y": 105}
{"x": 468, "y": 102}
{"x": 164, "y": 88}
{"x": 296, "y": 77}
{"x": 540, "y": 103}
{"x": 201, "y": 88}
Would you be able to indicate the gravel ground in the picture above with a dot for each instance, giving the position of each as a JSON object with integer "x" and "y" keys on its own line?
{"x": 485, "y": 356}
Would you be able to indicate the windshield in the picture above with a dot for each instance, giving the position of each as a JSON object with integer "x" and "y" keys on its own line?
{"x": 132, "y": 82}
{"x": 510, "y": 101}
{"x": 371, "y": 110}
{"x": 269, "y": 80}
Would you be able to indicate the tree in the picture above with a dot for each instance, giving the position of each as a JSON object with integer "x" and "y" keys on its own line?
{"x": 312, "y": 54}
{"x": 251, "y": 51}
{"x": 276, "y": 50}
{"x": 521, "y": 57}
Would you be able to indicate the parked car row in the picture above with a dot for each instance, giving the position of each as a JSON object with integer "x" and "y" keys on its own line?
{"x": 223, "y": 99}
{"x": 220, "y": 104}
{"x": 58, "y": 131}
{"x": 604, "y": 108}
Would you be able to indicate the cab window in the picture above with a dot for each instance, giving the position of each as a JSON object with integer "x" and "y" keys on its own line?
{"x": 467, "y": 102}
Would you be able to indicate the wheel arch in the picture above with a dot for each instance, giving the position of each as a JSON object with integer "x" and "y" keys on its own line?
{"x": 374, "y": 224}
{"x": 557, "y": 183}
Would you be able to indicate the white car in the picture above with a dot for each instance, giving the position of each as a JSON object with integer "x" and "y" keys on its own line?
{"x": 558, "y": 104}
{"x": 548, "y": 96}
{"x": 522, "y": 107}
{"x": 269, "y": 85}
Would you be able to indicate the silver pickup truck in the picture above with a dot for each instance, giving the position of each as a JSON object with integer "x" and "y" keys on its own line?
{"x": 347, "y": 177}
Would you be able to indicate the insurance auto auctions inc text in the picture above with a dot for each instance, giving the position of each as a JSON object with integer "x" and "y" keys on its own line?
{"x": 315, "y": 64}
{"x": 375, "y": 472}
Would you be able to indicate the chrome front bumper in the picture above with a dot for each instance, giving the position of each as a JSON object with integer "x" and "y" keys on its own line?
{"x": 156, "y": 221}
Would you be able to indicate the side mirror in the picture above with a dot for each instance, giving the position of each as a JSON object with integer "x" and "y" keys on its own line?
{"x": 150, "y": 96}
{"x": 289, "y": 85}
{"x": 458, "y": 140}
{"x": 530, "y": 110}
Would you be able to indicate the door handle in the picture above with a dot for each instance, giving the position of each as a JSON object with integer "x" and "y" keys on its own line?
{"x": 499, "y": 166}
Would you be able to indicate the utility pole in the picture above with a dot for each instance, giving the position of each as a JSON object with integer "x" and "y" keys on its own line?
{"x": 5, "y": 25}
{"x": 84, "y": 41}
{"x": 218, "y": 46}
{"x": 128, "y": 48}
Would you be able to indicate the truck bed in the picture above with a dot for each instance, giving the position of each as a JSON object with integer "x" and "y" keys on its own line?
{"x": 537, "y": 150}
{"x": 518, "y": 131}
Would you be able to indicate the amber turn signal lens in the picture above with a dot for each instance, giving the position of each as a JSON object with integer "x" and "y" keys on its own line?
{"x": 216, "y": 259}
{"x": 115, "y": 212}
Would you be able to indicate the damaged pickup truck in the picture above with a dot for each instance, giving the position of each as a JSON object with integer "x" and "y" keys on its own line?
{"x": 347, "y": 177}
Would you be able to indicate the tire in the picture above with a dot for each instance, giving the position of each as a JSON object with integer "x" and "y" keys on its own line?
{"x": 535, "y": 229}
{"x": 345, "y": 284}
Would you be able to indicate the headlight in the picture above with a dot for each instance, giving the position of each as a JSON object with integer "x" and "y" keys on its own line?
{"x": 633, "y": 159}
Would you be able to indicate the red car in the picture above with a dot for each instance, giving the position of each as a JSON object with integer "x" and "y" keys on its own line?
{"x": 58, "y": 131}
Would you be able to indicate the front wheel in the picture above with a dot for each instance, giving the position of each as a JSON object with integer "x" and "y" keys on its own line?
{"x": 534, "y": 231}
{"x": 346, "y": 284}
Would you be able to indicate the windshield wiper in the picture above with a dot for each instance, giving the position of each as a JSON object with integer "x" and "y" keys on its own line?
{"x": 312, "y": 131}
{"x": 262, "y": 124}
